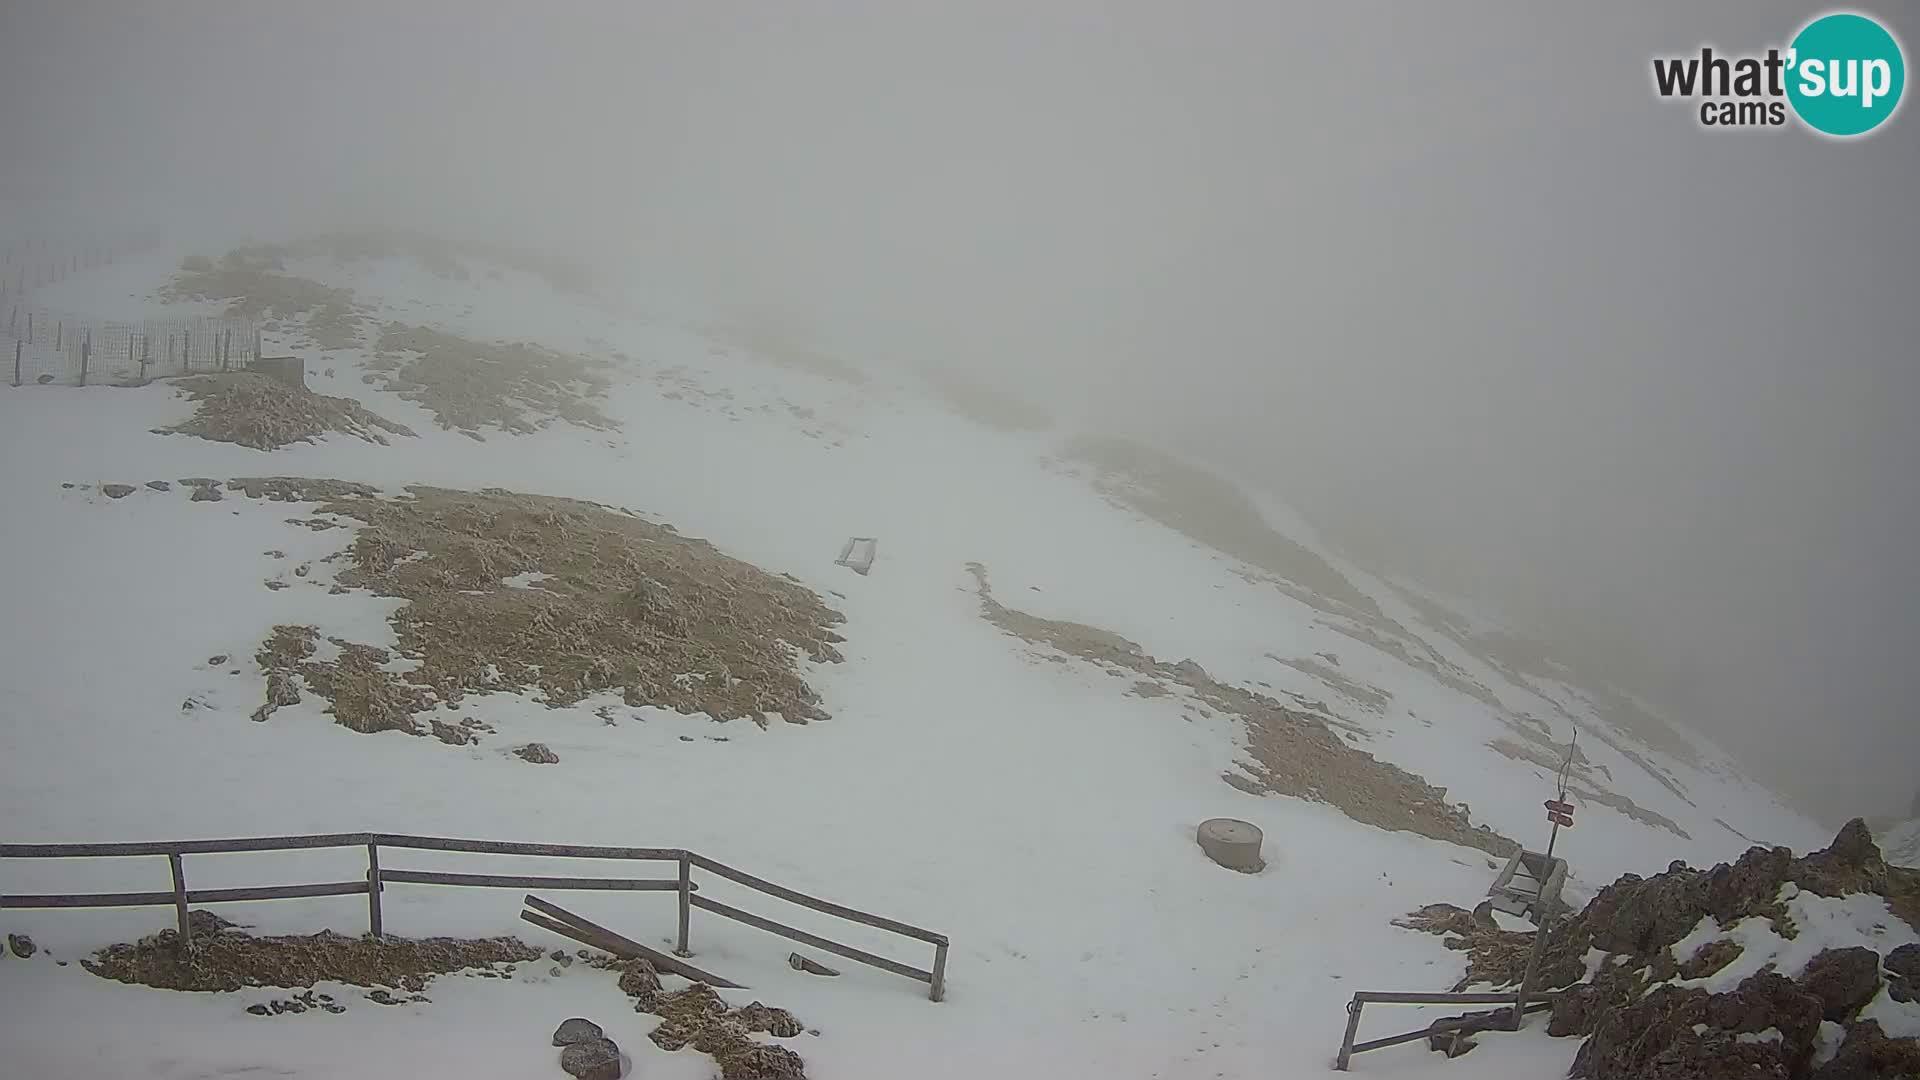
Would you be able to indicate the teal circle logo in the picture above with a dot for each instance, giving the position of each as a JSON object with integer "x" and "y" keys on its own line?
{"x": 1845, "y": 74}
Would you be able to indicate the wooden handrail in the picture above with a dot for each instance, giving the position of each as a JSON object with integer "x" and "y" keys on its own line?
{"x": 377, "y": 878}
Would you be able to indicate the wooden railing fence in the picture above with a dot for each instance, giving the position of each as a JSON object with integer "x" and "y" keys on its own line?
{"x": 180, "y": 897}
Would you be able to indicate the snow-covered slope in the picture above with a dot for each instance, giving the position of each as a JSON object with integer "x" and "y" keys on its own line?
{"x": 1024, "y": 803}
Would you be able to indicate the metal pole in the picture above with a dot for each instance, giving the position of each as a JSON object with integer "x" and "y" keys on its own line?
{"x": 1545, "y": 906}
{"x": 17, "y": 346}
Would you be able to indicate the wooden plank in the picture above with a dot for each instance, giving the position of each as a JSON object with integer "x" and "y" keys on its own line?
{"x": 182, "y": 847}
{"x": 816, "y": 903}
{"x": 573, "y": 933}
{"x": 277, "y": 892}
{"x": 499, "y": 847}
{"x": 179, "y": 899}
{"x": 814, "y": 940}
{"x": 938, "y": 992}
{"x": 522, "y": 881}
{"x": 320, "y": 840}
{"x": 86, "y": 900}
{"x": 630, "y": 947}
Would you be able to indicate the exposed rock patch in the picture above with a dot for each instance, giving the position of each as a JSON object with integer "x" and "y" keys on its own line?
{"x": 225, "y": 958}
{"x": 265, "y": 414}
{"x": 700, "y": 1018}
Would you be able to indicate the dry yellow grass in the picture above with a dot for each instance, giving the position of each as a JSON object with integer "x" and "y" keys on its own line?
{"x": 265, "y": 413}
{"x": 613, "y": 603}
{"x": 1292, "y": 753}
{"x": 472, "y": 385}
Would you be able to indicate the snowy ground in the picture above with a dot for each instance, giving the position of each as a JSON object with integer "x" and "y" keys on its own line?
{"x": 1033, "y": 811}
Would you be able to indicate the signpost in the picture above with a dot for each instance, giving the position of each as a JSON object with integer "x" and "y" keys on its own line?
{"x": 1560, "y": 813}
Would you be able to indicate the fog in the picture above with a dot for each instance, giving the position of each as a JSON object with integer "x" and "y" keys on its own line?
{"x": 1448, "y": 278}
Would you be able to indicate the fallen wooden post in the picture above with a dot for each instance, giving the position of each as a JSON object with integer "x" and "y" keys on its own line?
{"x": 810, "y": 966}
{"x": 623, "y": 947}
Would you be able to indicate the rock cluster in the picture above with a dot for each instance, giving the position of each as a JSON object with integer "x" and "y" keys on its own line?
{"x": 1641, "y": 1020}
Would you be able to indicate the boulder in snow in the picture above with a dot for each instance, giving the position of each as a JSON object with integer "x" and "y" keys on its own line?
{"x": 577, "y": 1029}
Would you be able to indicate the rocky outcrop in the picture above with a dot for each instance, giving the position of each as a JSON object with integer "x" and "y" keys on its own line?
{"x": 1843, "y": 980}
{"x": 1641, "y": 1019}
{"x": 1764, "y": 1028}
{"x": 1868, "y": 1054}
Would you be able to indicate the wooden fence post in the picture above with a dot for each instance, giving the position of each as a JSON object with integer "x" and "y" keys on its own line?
{"x": 59, "y": 334}
{"x": 373, "y": 890}
{"x": 17, "y": 346}
{"x": 686, "y": 903}
{"x": 29, "y": 326}
{"x": 226, "y": 351}
{"x": 938, "y": 991}
{"x": 180, "y": 901}
{"x": 86, "y": 356}
{"x": 256, "y": 344}
{"x": 146, "y": 354}
{"x": 186, "y": 352}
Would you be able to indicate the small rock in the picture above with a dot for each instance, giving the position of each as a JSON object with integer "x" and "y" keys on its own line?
{"x": 537, "y": 753}
{"x": 67, "y": 486}
{"x": 21, "y": 944}
{"x": 259, "y": 1010}
{"x": 382, "y": 997}
{"x": 639, "y": 980}
{"x": 216, "y": 661}
{"x": 1903, "y": 974}
{"x": 577, "y": 1029}
{"x": 560, "y": 957}
{"x": 686, "y": 738}
{"x": 583, "y": 954}
{"x": 596, "y": 1059}
{"x": 301, "y": 570}
{"x": 159, "y": 485}
{"x": 449, "y": 734}
{"x": 555, "y": 971}
{"x": 776, "y": 1022}
{"x": 116, "y": 491}
{"x": 207, "y": 494}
